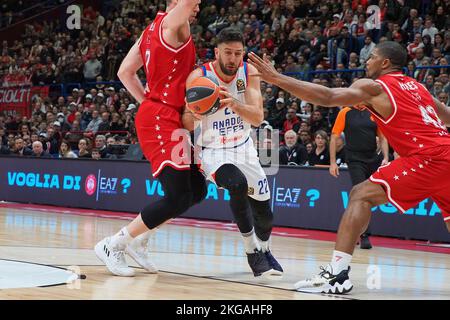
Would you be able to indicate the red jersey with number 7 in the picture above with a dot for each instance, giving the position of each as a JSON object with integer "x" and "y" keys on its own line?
{"x": 166, "y": 68}
{"x": 414, "y": 126}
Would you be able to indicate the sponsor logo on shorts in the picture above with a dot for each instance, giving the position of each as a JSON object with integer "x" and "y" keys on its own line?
{"x": 251, "y": 191}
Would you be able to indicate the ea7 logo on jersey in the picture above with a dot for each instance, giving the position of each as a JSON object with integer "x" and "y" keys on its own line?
{"x": 409, "y": 86}
{"x": 240, "y": 85}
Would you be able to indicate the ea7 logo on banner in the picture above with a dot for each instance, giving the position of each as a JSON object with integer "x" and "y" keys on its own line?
{"x": 108, "y": 185}
{"x": 287, "y": 197}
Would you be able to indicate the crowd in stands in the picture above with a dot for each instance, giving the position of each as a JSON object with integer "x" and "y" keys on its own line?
{"x": 88, "y": 126}
{"x": 303, "y": 37}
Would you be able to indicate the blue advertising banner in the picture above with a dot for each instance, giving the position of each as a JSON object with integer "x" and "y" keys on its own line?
{"x": 301, "y": 197}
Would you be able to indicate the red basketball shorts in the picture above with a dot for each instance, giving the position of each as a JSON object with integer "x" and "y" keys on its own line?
{"x": 156, "y": 126}
{"x": 409, "y": 180}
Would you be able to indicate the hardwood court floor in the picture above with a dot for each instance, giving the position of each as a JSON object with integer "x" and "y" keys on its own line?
{"x": 203, "y": 263}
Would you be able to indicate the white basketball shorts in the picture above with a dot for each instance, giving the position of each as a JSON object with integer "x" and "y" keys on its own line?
{"x": 245, "y": 157}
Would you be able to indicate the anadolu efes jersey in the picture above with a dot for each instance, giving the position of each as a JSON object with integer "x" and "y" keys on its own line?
{"x": 224, "y": 128}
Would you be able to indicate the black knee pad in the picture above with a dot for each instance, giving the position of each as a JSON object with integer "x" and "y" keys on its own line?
{"x": 229, "y": 176}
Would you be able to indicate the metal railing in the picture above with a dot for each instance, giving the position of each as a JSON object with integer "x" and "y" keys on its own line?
{"x": 308, "y": 76}
{"x": 65, "y": 89}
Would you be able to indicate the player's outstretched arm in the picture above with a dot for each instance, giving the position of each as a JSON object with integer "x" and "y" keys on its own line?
{"x": 252, "y": 111}
{"x": 127, "y": 73}
{"x": 362, "y": 91}
{"x": 443, "y": 112}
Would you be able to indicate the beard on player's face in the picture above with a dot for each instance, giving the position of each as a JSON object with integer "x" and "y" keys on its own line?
{"x": 230, "y": 69}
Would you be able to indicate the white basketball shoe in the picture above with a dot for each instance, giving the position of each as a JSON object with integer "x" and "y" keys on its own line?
{"x": 139, "y": 251}
{"x": 113, "y": 258}
{"x": 326, "y": 282}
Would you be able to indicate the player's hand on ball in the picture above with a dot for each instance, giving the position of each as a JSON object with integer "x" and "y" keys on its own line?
{"x": 189, "y": 119}
{"x": 197, "y": 116}
{"x": 189, "y": 113}
{"x": 227, "y": 100}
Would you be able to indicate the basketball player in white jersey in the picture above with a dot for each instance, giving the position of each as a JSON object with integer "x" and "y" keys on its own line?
{"x": 228, "y": 157}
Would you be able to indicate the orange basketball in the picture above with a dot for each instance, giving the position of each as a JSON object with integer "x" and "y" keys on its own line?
{"x": 202, "y": 96}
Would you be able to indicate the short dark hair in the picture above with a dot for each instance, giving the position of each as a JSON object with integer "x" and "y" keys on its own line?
{"x": 394, "y": 52}
{"x": 230, "y": 35}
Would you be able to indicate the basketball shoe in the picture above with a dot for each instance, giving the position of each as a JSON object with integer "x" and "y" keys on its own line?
{"x": 260, "y": 265}
{"x": 265, "y": 247}
{"x": 273, "y": 262}
{"x": 139, "y": 251}
{"x": 326, "y": 282}
{"x": 113, "y": 258}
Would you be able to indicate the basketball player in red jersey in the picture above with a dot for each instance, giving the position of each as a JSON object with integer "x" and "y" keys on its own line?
{"x": 414, "y": 124}
{"x": 167, "y": 53}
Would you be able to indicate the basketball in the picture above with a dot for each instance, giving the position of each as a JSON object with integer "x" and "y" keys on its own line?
{"x": 202, "y": 96}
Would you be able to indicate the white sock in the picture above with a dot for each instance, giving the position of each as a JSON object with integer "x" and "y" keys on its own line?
{"x": 265, "y": 245}
{"x": 340, "y": 261}
{"x": 121, "y": 239}
{"x": 251, "y": 242}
